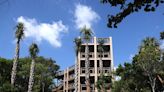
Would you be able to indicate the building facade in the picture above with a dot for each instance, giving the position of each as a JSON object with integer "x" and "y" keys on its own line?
{"x": 74, "y": 76}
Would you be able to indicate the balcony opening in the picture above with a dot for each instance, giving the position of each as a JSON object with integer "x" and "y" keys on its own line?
{"x": 82, "y": 63}
{"x": 82, "y": 49}
{"x": 106, "y": 63}
{"x": 106, "y": 55}
{"x": 83, "y": 55}
{"x": 106, "y": 48}
{"x": 91, "y": 48}
{"x": 92, "y": 79}
{"x": 71, "y": 72}
{"x": 82, "y": 80}
{"x": 91, "y": 63}
{"x": 83, "y": 71}
{"x": 84, "y": 88}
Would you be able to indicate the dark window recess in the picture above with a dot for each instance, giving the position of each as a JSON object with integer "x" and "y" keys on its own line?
{"x": 98, "y": 65}
{"x": 91, "y": 63}
{"x": 100, "y": 55}
{"x": 82, "y": 49}
{"x": 106, "y": 71}
{"x": 83, "y": 71}
{"x": 91, "y": 48}
{"x": 91, "y": 71}
{"x": 84, "y": 88}
{"x": 82, "y": 63}
{"x": 106, "y": 63}
{"x": 82, "y": 80}
{"x": 105, "y": 56}
{"x": 83, "y": 56}
{"x": 106, "y": 48}
{"x": 92, "y": 79}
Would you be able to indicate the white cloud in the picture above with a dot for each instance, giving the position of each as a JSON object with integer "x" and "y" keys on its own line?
{"x": 44, "y": 31}
{"x": 85, "y": 16}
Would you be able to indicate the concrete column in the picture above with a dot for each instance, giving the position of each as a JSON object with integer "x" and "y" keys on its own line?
{"x": 64, "y": 84}
{"x": 112, "y": 60}
{"x": 67, "y": 78}
{"x": 95, "y": 61}
{"x": 79, "y": 71}
{"x": 111, "y": 53}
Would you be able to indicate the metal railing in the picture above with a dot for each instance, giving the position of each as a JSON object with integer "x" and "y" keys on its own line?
{"x": 106, "y": 40}
{"x": 91, "y": 41}
{"x": 84, "y": 86}
{"x": 91, "y": 55}
{"x": 72, "y": 76}
{"x": 60, "y": 73}
{"x": 105, "y": 70}
{"x": 104, "y": 55}
{"x": 71, "y": 67}
{"x": 91, "y": 70}
{"x": 71, "y": 86}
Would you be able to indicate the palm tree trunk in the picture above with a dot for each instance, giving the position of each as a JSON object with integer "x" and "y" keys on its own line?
{"x": 15, "y": 62}
{"x": 31, "y": 79}
{"x": 101, "y": 72}
{"x": 87, "y": 68}
{"x": 76, "y": 74}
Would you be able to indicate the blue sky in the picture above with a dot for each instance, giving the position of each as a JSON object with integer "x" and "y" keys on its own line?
{"x": 53, "y": 24}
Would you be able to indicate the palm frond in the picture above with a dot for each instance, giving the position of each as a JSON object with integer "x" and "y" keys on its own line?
{"x": 86, "y": 33}
{"x": 78, "y": 43}
{"x": 34, "y": 50}
{"x": 19, "y": 31}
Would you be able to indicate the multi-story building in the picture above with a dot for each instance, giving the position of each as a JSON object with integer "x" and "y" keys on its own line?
{"x": 66, "y": 78}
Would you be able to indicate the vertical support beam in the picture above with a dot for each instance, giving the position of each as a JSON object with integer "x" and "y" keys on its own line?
{"x": 111, "y": 53}
{"x": 112, "y": 60}
{"x": 67, "y": 78}
{"x": 64, "y": 84}
{"x": 95, "y": 61}
{"x": 79, "y": 70}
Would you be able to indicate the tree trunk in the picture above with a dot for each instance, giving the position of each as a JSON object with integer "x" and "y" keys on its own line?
{"x": 101, "y": 64}
{"x": 43, "y": 85}
{"x": 102, "y": 88}
{"x": 153, "y": 88}
{"x": 87, "y": 68}
{"x": 101, "y": 71}
{"x": 76, "y": 74}
{"x": 152, "y": 83}
{"x": 88, "y": 85}
{"x": 15, "y": 62}
{"x": 31, "y": 79}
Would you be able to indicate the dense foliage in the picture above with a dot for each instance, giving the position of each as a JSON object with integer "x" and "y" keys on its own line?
{"x": 45, "y": 71}
{"x": 128, "y": 7}
{"x": 146, "y": 71}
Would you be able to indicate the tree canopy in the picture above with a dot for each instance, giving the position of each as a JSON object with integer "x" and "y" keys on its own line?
{"x": 146, "y": 71}
{"x": 45, "y": 73}
{"x": 128, "y": 7}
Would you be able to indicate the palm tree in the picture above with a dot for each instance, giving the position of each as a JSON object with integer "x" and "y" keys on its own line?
{"x": 34, "y": 50}
{"x": 19, "y": 36}
{"x": 101, "y": 50}
{"x": 78, "y": 43}
{"x": 86, "y": 34}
